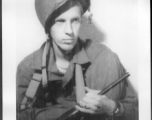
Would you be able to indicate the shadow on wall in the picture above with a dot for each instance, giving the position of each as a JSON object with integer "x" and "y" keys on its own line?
{"x": 90, "y": 31}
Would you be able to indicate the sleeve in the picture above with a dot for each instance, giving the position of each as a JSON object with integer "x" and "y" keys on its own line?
{"x": 105, "y": 70}
{"x": 129, "y": 103}
{"x": 24, "y": 75}
{"x": 128, "y": 99}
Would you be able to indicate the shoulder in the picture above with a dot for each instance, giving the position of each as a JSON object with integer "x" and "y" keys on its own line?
{"x": 96, "y": 50}
{"x": 105, "y": 65}
{"x": 102, "y": 56}
{"x": 32, "y": 61}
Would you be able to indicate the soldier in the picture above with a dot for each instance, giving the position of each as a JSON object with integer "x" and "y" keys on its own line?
{"x": 46, "y": 84}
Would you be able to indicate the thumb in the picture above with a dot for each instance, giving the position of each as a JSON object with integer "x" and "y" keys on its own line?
{"x": 91, "y": 90}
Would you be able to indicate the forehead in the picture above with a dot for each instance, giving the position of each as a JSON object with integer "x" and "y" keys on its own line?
{"x": 72, "y": 12}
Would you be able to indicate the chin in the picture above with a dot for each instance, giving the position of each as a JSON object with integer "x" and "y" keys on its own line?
{"x": 67, "y": 48}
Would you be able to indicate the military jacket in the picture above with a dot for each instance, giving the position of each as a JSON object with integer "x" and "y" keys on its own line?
{"x": 100, "y": 68}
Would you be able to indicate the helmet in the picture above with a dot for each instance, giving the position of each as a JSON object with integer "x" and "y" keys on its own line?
{"x": 44, "y": 8}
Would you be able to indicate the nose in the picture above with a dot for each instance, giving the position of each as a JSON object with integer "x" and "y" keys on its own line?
{"x": 68, "y": 29}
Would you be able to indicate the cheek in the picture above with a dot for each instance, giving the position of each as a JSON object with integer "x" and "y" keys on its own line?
{"x": 77, "y": 29}
{"x": 54, "y": 33}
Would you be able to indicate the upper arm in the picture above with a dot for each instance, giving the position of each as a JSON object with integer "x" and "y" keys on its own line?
{"x": 23, "y": 77}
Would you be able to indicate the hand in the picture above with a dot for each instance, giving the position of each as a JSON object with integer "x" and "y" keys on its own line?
{"x": 95, "y": 104}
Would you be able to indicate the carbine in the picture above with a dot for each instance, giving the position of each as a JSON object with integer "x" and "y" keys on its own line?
{"x": 74, "y": 114}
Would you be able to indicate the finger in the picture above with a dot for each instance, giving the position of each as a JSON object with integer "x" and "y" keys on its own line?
{"x": 82, "y": 104}
{"x": 88, "y": 106}
{"x": 91, "y": 90}
{"x": 87, "y": 89}
{"x": 92, "y": 107}
{"x": 93, "y": 96}
{"x": 84, "y": 110}
{"x": 91, "y": 101}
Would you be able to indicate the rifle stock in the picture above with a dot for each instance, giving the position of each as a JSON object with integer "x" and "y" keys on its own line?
{"x": 74, "y": 114}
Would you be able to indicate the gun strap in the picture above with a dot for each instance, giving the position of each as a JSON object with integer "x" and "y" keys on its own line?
{"x": 44, "y": 58}
{"x": 31, "y": 91}
{"x": 80, "y": 86}
{"x": 30, "y": 97}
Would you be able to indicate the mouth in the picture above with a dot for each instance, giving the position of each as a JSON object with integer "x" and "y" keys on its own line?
{"x": 68, "y": 41}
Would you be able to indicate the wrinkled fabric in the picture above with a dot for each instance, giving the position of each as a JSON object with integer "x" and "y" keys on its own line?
{"x": 100, "y": 67}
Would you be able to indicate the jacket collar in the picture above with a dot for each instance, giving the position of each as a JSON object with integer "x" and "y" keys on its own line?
{"x": 80, "y": 57}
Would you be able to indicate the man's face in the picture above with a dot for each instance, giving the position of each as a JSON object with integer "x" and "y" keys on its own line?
{"x": 65, "y": 30}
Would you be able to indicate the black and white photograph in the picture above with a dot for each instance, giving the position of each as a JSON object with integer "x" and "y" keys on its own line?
{"x": 76, "y": 60}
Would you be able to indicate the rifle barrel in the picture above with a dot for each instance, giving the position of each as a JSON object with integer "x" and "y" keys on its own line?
{"x": 72, "y": 113}
{"x": 114, "y": 84}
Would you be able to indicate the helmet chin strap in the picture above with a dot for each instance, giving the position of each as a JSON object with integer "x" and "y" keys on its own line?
{"x": 44, "y": 57}
{"x": 80, "y": 85}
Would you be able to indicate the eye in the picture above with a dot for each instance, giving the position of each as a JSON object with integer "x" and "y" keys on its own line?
{"x": 76, "y": 20}
{"x": 59, "y": 21}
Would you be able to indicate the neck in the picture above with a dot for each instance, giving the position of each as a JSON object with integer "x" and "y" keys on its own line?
{"x": 61, "y": 54}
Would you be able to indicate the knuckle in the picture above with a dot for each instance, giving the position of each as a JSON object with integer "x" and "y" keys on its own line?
{"x": 81, "y": 103}
{"x": 84, "y": 99}
{"x": 103, "y": 96}
{"x": 95, "y": 109}
{"x": 92, "y": 112}
{"x": 77, "y": 107}
{"x": 97, "y": 103}
{"x": 89, "y": 94}
{"x": 99, "y": 98}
